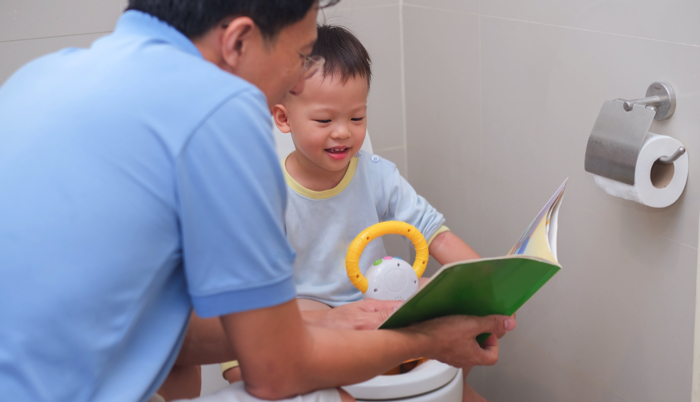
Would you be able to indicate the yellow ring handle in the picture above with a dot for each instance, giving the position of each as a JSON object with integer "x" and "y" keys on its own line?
{"x": 352, "y": 260}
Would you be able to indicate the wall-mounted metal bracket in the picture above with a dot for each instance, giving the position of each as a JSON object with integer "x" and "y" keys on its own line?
{"x": 619, "y": 132}
{"x": 660, "y": 97}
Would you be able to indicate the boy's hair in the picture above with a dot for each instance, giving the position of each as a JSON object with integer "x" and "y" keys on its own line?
{"x": 194, "y": 18}
{"x": 343, "y": 52}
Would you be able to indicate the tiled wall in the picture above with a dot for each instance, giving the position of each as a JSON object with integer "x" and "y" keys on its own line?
{"x": 487, "y": 106}
{"x": 501, "y": 96}
{"x": 29, "y": 29}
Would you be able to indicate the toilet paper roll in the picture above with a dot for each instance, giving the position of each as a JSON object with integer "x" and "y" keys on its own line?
{"x": 656, "y": 184}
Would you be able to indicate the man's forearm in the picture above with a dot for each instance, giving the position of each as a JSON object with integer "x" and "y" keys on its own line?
{"x": 281, "y": 356}
{"x": 205, "y": 343}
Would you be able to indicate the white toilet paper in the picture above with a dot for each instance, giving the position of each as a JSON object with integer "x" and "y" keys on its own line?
{"x": 658, "y": 188}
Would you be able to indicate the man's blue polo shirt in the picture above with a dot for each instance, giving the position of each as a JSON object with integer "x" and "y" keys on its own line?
{"x": 136, "y": 180}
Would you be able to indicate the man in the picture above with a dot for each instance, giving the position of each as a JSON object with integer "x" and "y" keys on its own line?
{"x": 138, "y": 179}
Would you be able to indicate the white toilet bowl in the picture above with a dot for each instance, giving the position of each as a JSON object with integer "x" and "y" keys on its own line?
{"x": 428, "y": 382}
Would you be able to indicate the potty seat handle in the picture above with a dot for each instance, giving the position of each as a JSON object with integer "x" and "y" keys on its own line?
{"x": 357, "y": 246}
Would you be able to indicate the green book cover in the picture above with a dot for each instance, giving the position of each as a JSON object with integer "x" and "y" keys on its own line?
{"x": 490, "y": 285}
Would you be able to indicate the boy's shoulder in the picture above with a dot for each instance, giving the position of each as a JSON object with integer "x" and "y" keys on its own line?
{"x": 373, "y": 162}
{"x": 375, "y": 167}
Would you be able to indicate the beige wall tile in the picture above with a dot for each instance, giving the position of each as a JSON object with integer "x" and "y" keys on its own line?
{"x": 518, "y": 377}
{"x": 466, "y": 6}
{"x": 536, "y": 129}
{"x": 616, "y": 323}
{"x": 442, "y": 109}
{"x": 28, "y": 19}
{"x": 15, "y": 54}
{"x": 674, "y": 20}
{"x": 593, "y": 332}
{"x": 628, "y": 270}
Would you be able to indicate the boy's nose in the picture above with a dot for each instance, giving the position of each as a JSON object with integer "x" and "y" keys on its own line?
{"x": 341, "y": 132}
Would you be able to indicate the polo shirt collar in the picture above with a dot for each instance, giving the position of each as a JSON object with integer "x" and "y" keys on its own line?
{"x": 140, "y": 23}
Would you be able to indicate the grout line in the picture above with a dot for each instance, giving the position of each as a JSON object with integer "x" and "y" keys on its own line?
{"x": 559, "y": 26}
{"x": 591, "y": 31}
{"x": 403, "y": 88}
{"x": 441, "y": 9}
{"x": 695, "y": 379}
{"x": 341, "y": 9}
{"x": 55, "y": 36}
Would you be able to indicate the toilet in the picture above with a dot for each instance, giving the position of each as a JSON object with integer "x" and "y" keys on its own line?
{"x": 427, "y": 382}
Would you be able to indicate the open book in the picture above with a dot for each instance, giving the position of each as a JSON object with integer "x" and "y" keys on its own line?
{"x": 490, "y": 285}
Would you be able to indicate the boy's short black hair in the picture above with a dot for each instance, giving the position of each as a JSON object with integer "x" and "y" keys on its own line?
{"x": 343, "y": 52}
{"x": 193, "y": 18}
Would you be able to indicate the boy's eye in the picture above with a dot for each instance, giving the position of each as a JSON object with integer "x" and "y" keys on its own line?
{"x": 357, "y": 119}
{"x": 323, "y": 121}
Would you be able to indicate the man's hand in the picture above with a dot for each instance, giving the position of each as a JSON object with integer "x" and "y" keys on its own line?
{"x": 363, "y": 314}
{"x": 453, "y": 338}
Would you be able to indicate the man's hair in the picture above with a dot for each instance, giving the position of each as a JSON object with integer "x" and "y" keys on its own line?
{"x": 343, "y": 52}
{"x": 194, "y": 18}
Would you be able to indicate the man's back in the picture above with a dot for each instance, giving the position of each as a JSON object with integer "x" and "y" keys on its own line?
{"x": 91, "y": 177}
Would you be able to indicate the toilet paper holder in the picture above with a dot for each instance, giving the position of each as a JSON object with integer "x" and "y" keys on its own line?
{"x": 619, "y": 131}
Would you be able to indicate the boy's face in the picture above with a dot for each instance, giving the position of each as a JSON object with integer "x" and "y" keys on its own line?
{"x": 328, "y": 121}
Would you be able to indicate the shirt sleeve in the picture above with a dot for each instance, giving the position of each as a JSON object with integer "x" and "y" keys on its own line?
{"x": 232, "y": 197}
{"x": 404, "y": 204}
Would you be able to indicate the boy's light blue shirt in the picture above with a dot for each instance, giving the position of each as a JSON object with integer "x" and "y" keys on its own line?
{"x": 322, "y": 224}
{"x": 136, "y": 180}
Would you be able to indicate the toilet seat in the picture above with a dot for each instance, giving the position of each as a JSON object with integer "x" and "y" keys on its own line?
{"x": 423, "y": 379}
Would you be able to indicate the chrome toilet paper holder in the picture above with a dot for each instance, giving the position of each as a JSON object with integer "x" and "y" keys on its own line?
{"x": 619, "y": 131}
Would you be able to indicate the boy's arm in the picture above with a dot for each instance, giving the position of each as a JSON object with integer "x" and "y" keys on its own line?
{"x": 447, "y": 248}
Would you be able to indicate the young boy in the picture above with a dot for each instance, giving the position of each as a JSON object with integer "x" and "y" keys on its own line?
{"x": 335, "y": 190}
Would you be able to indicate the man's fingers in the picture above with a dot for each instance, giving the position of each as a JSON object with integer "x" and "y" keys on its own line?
{"x": 489, "y": 352}
{"x": 373, "y": 305}
{"x": 495, "y": 324}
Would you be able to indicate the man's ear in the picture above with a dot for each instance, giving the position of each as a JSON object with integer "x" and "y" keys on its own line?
{"x": 236, "y": 40}
{"x": 279, "y": 113}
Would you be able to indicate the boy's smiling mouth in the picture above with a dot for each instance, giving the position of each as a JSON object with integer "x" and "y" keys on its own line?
{"x": 337, "y": 152}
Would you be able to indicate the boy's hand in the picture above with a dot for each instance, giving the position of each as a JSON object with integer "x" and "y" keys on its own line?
{"x": 363, "y": 314}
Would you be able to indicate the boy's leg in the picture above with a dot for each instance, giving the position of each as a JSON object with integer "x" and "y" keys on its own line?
{"x": 182, "y": 382}
{"x": 308, "y": 304}
{"x": 236, "y": 393}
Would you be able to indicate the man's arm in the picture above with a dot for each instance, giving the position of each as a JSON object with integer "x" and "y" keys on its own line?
{"x": 206, "y": 341}
{"x": 281, "y": 356}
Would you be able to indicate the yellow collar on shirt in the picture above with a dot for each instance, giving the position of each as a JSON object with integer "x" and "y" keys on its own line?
{"x": 320, "y": 195}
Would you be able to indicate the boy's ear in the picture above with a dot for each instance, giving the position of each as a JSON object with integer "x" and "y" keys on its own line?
{"x": 279, "y": 113}
{"x": 236, "y": 40}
